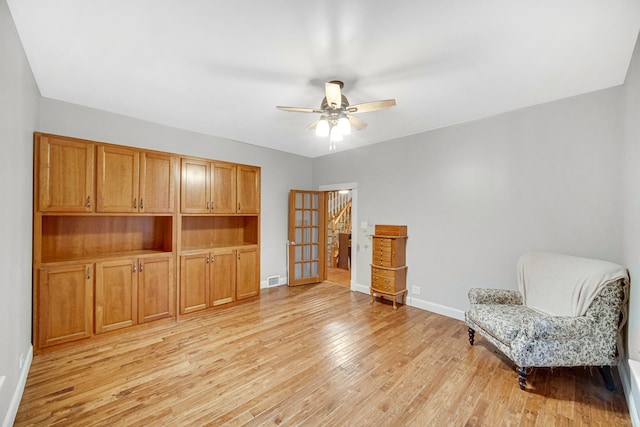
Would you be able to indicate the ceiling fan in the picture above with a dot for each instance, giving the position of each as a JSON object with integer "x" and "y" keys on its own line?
{"x": 336, "y": 119}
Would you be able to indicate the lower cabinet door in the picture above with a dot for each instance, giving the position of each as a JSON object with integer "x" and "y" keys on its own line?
{"x": 247, "y": 282}
{"x": 65, "y": 304}
{"x": 223, "y": 276}
{"x": 116, "y": 294}
{"x": 194, "y": 282}
{"x": 156, "y": 284}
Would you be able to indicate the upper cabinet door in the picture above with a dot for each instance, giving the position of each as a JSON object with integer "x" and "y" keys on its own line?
{"x": 65, "y": 174}
{"x": 157, "y": 183}
{"x": 248, "y": 189}
{"x": 118, "y": 179}
{"x": 223, "y": 187}
{"x": 195, "y": 190}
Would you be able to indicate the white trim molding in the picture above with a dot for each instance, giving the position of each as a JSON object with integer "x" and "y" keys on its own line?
{"x": 17, "y": 393}
{"x": 418, "y": 303}
{"x": 630, "y": 376}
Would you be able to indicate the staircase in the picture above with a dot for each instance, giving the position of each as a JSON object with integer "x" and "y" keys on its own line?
{"x": 339, "y": 207}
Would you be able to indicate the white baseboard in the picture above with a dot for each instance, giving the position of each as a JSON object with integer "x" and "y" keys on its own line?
{"x": 17, "y": 393}
{"x": 630, "y": 375}
{"x": 421, "y": 304}
{"x": 436, "y": 308}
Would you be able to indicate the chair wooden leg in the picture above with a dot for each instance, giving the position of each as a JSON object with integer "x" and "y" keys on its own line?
{"x": 522, "y": 377}
{"x": 471, "y": 334}
{"x": 605, "y": 371}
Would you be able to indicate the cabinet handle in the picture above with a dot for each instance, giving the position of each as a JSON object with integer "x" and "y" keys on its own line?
{"x": 141, "y": 203}
{"x": 207, "y": 260}
{"x": 213, "y": 205}
{"x": 208, "y": 206}
{"x": 134, "y": 266}
{"x": 212, "y": 259}
{"x": 88, "y": 201}
{"x": 88, "y": 273}
{"x": 238, "y": 206}
{"x": 135, "y": 203}
{"x": 140, "y": 266}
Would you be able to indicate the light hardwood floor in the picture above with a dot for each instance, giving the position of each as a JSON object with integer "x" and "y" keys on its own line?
{"x": 310, "y": 355}
{"x": 339, "y": 276}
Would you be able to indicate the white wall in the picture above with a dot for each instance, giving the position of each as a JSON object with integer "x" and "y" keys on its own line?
{"x": 18, "y": 118}
{"x": 476, "y": 196}
{"x": 631, "y": 208}
{"x": 280, "y": 171}
{"x": 632, "y": 195}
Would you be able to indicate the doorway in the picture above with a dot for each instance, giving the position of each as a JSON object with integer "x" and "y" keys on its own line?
{"x": 308, "y": 253}
{"x": 339, "y": 236}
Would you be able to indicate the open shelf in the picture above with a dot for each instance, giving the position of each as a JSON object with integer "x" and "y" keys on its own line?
{"x": 66, "y": 238}
{"x": 211, "y": 232}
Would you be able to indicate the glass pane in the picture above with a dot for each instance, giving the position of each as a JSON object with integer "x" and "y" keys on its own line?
{"x": 298, "y": 253}
{"x": 307, "y": 252}
{"x": 298, "y": 218}
{"x": 307, "y": 270}
{"x": 314, "y": 251}
{"x": 314, "y": 218}
{"x": 307, "y": 235}
{"x": 314, "y": 268}
{"x": 298, "y": 200}
{"x": 297, "y": 271}
{"x": 314, "y": 199}
{"x": 298, "y": 235}
{"x": 314, "y": 234}
{"x": 307, "y": 217}
{"x": 307, "y": 200}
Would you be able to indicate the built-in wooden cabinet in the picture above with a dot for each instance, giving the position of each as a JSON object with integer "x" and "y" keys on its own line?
{"x": 156, "y": 288}
{"x": 63, "y": 302}
{"x": 248, "y": 189}
{"x": 116, "y": 295}
{"x": 247, "y": 277}
{"x": 64, "y": 175}
{"x": 219, "y": 188}
{"x": 108, "y": 235}
{"x": 133, "y": 291}
{"x": 222, "y": 276}
{"x": 222, "y": 273}
{"x": 131, "y": 181}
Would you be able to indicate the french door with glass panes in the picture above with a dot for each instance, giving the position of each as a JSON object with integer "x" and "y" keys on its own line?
{"x": 307, "y": 230}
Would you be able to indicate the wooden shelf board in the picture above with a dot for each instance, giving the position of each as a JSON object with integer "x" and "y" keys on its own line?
{"x": 52, "y": 261}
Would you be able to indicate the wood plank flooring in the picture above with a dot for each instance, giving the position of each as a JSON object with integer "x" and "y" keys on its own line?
{"x": 315, "y": 355}
{"x": 339, "y": 276}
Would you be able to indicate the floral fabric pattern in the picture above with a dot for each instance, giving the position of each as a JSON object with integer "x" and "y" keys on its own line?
{"x": 534, "y": 339}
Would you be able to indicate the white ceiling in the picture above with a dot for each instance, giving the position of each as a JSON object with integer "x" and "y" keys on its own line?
{"x": 220, "y": 67}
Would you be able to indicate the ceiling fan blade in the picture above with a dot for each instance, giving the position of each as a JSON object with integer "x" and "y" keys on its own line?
{"x": 367, "y": 107}
{"x": 356, "y": 123}
{"x": 299, "y": 109}
{"x": 332, "y": 92}
{"x": 313, "y": 125}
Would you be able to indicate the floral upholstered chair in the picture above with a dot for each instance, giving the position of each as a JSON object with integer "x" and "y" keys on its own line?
{"x": 569, "y": 311}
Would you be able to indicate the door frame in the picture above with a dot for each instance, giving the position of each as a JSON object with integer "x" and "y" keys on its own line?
{"x": 353, "y": 186}
{"x": 322, "y": 236}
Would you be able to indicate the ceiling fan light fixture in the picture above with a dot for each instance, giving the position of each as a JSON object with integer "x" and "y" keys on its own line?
{"x": 336, "y": 118}
{"x": 335, "y": 134}
{"x": 322, "y": 128}
{"x": 344, "y": 125}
